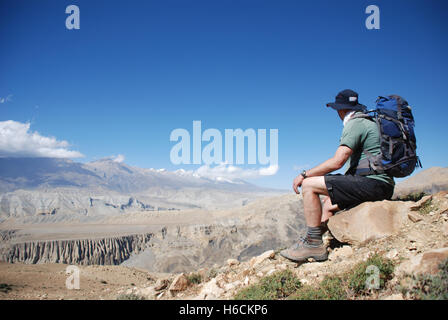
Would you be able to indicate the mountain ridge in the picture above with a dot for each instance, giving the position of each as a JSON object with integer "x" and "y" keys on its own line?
{"x": 34, "y": 173}
{"x": 36, "y": 190}
{"x": 431, "y": 180}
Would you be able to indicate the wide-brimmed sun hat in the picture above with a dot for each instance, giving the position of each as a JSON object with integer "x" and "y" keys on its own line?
{"x": 347, "y": 99}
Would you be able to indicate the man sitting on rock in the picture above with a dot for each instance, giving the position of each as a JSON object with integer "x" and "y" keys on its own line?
{"x": 341, "y": 191}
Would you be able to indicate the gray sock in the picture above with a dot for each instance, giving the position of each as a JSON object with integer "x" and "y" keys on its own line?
{"x": 314, "y": 235}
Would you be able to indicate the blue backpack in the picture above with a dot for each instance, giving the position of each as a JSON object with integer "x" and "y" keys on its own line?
{"x": 398, "y": 157}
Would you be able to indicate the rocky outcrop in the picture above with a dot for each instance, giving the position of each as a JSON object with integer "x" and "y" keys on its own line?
{"x": 106, "y": 251}
{"x": 424, "y": 263}
{"x": 6, "y": 235}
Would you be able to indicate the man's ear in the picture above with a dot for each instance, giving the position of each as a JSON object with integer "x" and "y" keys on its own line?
{"x": 342, "y": 113}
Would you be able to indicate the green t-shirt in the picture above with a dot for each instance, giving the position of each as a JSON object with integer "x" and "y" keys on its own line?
{"x": 362, "y": 134}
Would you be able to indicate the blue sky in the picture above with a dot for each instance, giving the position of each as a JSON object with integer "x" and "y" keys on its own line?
{"x": 136, "y": 70}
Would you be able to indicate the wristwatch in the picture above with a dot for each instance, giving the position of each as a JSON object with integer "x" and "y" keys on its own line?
{"x": 304, "y": 174}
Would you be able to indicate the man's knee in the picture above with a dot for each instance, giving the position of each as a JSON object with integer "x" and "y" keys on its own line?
{"x": 314, "y": 185}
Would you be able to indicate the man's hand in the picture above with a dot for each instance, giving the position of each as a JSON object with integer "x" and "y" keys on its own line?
{"x": 297, "y": 183}
{"x": 336, "y": 162}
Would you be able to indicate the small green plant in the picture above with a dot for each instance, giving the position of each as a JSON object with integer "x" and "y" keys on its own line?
{"x": 343, "y": 286}
{"x": 427, "y": 207}
{"x": 429, "y": 287}
{"x": 194, "y": 278}
{"x": 279, "y": 285}
{"x": 357, "y": 277}
{"x": 351, "y": 283}
{"x": 130, "y": 296}
{"x": 5, "y": 288}
{"x": 416, "y": 196}
{"x": 331, "y": 288}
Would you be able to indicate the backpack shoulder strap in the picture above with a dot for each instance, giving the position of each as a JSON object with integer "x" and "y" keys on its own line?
{"x": 363, "y": 115}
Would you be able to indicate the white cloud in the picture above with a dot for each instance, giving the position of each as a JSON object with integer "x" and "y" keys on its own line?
{"x": 16, "y": 140}
{"x": 4, "y": 100}
{"x": 269, "y": 171}
{"x": 226, "y": 172}
{"x": 119, "y": 158}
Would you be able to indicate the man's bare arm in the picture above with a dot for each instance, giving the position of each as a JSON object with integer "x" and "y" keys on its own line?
{"x": 335, "y": 163}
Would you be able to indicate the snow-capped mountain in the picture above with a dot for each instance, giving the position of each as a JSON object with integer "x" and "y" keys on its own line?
{"x": 49, "y": 188}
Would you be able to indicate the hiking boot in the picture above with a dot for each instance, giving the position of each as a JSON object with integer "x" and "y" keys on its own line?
{"x": 302, "y": 251}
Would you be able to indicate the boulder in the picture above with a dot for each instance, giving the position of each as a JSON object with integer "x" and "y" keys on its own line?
{"x": 414, "y": 217}
{"x": 161, "y": 284}
{"x": 281, "y": 267}
{"x": 211, "y": 291}
{"x": 180, "y": 283}
{"x": 255, "y": 261}
{"x": 341, "y": 253}
{"x": 392, "y": 254}
{"x": 369, "y": 221}
{"x": 148, "y": 292}
{"x": 232, "y": 262}
{"x": 232, "y": 285}
{"x": 424, "y": 263}
{"x": 222, "y": 279}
